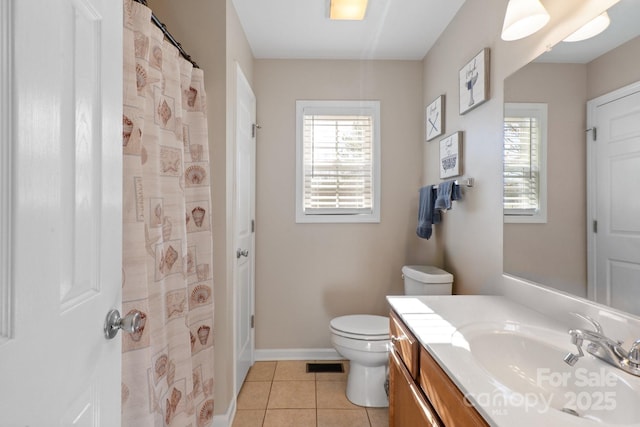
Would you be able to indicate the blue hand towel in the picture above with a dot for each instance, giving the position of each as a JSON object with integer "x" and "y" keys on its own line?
{"x": 443, "y": 201}
{"x": 426, "y": 214}
{"x": 456, "y": 192}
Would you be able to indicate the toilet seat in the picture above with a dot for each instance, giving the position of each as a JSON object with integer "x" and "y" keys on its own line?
{"x": 364, "y": 327}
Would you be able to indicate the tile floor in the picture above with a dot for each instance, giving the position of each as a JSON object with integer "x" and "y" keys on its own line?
{"x": 283, "y": 394}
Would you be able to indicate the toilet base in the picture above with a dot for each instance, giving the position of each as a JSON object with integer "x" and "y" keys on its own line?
{"x": 366, "y": 385}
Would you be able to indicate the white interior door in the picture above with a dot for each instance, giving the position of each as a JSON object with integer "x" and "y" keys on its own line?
{"x": 63, "y": 218}
{"x": 615, "y": 253}
{"x": 244, "y": 220}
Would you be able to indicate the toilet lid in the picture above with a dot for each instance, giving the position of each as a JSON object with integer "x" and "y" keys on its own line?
{"x": 362, "y": 324}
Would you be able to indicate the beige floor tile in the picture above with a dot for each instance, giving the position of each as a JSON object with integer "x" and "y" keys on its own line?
{"x": 343, "y": 418}
{"x": 290, "y": 418}
{"x": 293, "y": 370}
{"x": 261, "y": 371}
{"x": 292, "y": 395}
{"x": 378, "y": 417}
{"x": 332, "y": 395}
{"x": 248, "y": 418}
{"x": 254, "y": 395}
{"x": 333, "y": 376}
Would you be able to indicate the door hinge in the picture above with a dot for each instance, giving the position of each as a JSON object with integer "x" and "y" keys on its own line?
{"x": 595, "y": 226}
{"x": 253, "y": 321}
{"x": 253, "y": 225}
{"x": 595, "y": 133}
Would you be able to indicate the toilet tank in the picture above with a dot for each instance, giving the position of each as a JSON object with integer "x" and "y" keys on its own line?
{"x": 426, "y": 280}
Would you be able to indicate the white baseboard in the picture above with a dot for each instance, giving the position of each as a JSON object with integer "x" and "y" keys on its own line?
{"x": 225, "y": 420}
{"x": 297, "y": 354}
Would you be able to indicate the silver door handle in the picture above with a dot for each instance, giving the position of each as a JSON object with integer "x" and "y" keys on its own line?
{"x": 240, "y": 253}
{"x": 131, "y": 323}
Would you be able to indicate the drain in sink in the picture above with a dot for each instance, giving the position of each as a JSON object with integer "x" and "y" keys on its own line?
{"x": 570, "y": 411}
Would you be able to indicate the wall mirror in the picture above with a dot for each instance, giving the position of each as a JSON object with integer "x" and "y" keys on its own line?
{"x": 546, "y": 240}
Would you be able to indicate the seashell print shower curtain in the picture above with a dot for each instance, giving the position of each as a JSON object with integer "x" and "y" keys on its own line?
{"x": 167, "y": 367}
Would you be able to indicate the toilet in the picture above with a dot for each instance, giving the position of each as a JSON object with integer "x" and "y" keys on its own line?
{"x": 363, "y": 339}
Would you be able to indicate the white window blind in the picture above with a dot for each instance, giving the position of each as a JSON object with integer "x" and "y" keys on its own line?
{"x": 524, "y": 162}
{"x": 338, "y": 164}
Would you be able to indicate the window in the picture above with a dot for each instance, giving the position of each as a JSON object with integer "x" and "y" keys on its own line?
{"x": 338, "y": 161}
{"x": 525, "y": 183}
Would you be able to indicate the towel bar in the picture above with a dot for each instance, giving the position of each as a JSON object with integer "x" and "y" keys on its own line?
{"x": 467, "y": 182}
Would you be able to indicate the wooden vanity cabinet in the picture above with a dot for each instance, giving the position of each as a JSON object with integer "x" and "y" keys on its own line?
{"x": 450, "y": 404}
{"x": 407, "y": 406}
{"x": 405, "y": 344}
{"x": 420, "y": 392}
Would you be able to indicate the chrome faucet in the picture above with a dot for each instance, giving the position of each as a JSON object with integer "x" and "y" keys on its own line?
{"x": 604, "y": 348}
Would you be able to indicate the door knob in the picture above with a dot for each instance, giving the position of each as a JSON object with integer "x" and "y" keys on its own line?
{"x": 131, "y": 323}
{"x": 240, "y": 253}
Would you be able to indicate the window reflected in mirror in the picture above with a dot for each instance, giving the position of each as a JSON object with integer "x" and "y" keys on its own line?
{"x": 524, "y": 168}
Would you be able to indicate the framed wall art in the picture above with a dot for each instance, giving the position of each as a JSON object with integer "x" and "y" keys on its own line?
{"x": 474, "y": 81}
{"x": 450, "y": 155}
{"x": 435, "y": 118}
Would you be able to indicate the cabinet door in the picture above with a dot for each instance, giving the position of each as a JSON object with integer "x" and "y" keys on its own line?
{"x": 407, "y": 405}
{"x": 405, "y": 344}
{"x": 447, "y": 399}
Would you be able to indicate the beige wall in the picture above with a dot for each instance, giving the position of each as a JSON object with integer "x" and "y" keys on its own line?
{"x": 211, "y": 33}
{"x": 614, "y": 70}
{"x": 307, "y": 274}
{"x": 472, "y": 231}
{"x": 555, "y": 253}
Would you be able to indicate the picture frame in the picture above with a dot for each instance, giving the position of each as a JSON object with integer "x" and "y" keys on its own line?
{"x": 451, "y": 155}
{"x": 434, "y": 118}
{"x": 474, "y": 81}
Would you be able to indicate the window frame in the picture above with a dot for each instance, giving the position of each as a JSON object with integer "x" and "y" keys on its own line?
{"x": 539, "y": 111}
{"x": 338, "y": 107}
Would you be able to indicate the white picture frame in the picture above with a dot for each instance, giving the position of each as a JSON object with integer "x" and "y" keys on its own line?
{"x": 451, "y": 155}
{"x": 474, "y": 81}
{"x": 434, "y": 118}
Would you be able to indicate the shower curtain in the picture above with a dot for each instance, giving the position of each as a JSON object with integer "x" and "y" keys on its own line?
{"x": 167, "y": 367}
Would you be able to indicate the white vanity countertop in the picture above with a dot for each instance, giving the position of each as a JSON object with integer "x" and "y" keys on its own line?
{"x": 434, "y": 321}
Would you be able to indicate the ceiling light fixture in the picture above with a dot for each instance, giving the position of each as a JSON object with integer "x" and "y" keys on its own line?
{"x": 590, "y": 29}
{"x": 523, "y": 18}
{"x": 352, "y": 10}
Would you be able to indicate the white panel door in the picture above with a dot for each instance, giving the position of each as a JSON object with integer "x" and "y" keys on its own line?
{"x": 617, "y": 195}
{"x": 64, "y": 214}
{"x": 244, "y": 237}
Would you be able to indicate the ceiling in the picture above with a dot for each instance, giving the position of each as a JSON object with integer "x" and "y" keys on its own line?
{"x": 625, "y": 16}
{"x": 392, "y": 29}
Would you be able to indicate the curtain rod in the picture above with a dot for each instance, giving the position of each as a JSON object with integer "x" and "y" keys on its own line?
{"x": 168, "y": 35}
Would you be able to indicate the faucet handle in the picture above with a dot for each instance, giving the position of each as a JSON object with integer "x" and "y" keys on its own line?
{"x": 634, "y": 353}
{"x": 576, "y": 339}
{"x": 591, "y": 320}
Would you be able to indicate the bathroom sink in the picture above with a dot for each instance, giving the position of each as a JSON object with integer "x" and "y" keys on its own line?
{"x": 525, "y": 365}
